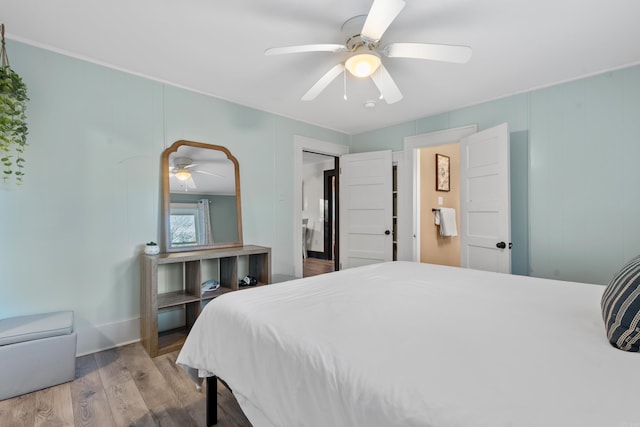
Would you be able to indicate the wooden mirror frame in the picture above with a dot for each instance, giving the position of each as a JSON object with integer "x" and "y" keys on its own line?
{"x": 166, "y": 197}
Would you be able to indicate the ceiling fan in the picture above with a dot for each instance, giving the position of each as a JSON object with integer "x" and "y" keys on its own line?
{"x": 182, "y": 169}
{"x": 363, "y": 34}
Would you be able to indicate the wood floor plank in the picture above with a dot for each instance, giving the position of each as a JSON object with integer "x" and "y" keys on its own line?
{"x": 184, "y": 388}
{"x": 89, "y": 400}
{"x": 152, "y": 385}
{"x": 158, "y": 395}
{"x": 53, "y": 407}
{"x": 314, "y": 266}
{"x": 229, "y": 412}
{"x": 112, "y": 369}
{"x": 128, "y": 407}
{"x": 188, "y": 396}
{"x": 19, "y": 411}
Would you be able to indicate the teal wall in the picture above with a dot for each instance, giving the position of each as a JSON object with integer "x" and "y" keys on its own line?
{"x": 574, "y": 173}
{"x": 71, "y": 235}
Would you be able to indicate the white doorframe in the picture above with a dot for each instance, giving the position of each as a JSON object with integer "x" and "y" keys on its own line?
{"x": 300, "y": 144}
{"x": 408, "y": 223}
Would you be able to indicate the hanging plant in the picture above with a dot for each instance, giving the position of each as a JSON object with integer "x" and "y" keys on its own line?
{"x": 13, "y": 119}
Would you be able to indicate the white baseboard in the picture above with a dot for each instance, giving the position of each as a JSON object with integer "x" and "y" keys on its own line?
{"x": 94, "y": 338}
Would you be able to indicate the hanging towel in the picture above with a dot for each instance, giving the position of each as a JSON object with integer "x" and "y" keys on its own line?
{"x": 446, "y": 219}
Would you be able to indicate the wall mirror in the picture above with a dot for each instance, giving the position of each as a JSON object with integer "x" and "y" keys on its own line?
{"x": 201, "y": 197}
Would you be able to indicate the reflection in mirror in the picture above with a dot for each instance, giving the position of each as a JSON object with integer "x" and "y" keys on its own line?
{"x": 201, "y": 197}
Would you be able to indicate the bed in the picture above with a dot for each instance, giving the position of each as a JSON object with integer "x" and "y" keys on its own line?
{"x": 410, "y": 344}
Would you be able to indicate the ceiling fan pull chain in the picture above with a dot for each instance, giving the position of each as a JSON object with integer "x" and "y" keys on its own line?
{"x": 344, "y": 74}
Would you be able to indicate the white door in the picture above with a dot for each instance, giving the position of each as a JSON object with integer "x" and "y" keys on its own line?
{"x": 485, "y": 216}
{"x": 365, "y": 208}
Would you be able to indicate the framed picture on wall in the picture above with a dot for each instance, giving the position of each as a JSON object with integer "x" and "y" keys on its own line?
{"x": 442, "y": 172}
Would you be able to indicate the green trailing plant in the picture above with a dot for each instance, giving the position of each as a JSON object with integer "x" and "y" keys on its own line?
{"x": 13, "y": 119}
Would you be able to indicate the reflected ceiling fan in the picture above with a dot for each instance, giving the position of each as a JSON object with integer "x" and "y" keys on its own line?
{"x": 182, "y": 169}
{"x": 363, "y": 34}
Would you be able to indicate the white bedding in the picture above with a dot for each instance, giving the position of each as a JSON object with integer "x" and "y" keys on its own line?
{"x": 408, "y": 344}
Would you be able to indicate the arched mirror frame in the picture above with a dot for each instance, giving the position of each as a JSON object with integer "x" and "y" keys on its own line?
{"x": 166, "y": 196}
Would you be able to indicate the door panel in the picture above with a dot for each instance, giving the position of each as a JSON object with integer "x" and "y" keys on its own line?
{"x": 482, "y": 259}
{"x": 365, "y": 208}
{"x": 485, "y": 200}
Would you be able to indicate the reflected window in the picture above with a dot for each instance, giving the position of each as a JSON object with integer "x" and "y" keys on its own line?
{"x": 183, "y": 225}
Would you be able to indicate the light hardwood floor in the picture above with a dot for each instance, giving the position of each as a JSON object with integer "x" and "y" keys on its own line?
{"x": 121, "y": 387}
{"x": 314, "y": 266}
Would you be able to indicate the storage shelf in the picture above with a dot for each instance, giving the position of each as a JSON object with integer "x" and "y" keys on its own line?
{"x": 172, "y": 340}
{"x": 171, "y": 299}
{"x": 213, "y": 294}
{"x": 181, "y": 275}
{"x": 257, "y": 285}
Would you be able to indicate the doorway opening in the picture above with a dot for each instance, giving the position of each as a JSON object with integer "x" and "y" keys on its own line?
{"x": 412, "y": 210}
{"x": 435, "y": 248}
{"x": 301, "y": 144}
{"x": 320, "y": 221}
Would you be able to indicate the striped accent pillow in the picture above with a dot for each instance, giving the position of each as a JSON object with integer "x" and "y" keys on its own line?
{"x": 621, "y": 307}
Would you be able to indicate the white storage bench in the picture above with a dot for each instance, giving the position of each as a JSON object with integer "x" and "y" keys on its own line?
{"x": 36, "y": 352}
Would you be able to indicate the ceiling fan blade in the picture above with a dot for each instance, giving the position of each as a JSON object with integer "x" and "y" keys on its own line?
{"x": 323, "y": 82}
{"x": 435, "y": 52}
{"x": 386, "y": 85}
{"x": 381, "y": 15}
{"x": 327, "y": 47}
{"x": 209, "y": 173}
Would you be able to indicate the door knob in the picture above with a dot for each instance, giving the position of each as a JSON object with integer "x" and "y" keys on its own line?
{"x": 501, "y": 245}
{"x": 387, "y": 232}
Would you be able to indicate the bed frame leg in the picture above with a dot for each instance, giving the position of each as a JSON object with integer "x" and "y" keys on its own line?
{"x": 212, "y": 401}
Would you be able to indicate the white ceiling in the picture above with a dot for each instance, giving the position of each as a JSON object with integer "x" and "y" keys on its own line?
{"x": 216, "y": 47}
{"x": 211, "y": 171}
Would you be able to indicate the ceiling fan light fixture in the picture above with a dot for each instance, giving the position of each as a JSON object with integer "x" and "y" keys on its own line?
{"x": 363, "y": 64}
{"x": 182, "y": 174}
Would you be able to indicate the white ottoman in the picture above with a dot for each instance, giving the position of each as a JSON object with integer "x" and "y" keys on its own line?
{"x": 36, "y": 352}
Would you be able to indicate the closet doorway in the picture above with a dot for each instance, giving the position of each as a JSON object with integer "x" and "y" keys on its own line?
{"x": 319, "y": 213}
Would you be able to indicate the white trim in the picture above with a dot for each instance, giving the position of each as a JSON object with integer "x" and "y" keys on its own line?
{"x": 300, "y": 144}
{"x": 409, "y": 224}
{"x": 417, "y": 211}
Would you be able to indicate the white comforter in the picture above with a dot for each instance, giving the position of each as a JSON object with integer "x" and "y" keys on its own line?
{"x": 408, "y": 344}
